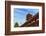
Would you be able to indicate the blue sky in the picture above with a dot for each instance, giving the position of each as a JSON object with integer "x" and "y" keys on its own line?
{"x": 20, "y": 14}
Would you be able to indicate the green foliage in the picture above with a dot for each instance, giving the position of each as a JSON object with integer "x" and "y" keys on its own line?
{"x": 16, "y": 24}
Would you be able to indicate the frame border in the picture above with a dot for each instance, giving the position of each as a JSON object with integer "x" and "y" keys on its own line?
{"x": 8, "y": 16}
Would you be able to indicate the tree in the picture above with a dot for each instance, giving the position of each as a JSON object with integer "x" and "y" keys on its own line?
{"x": 16, "y": 24}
